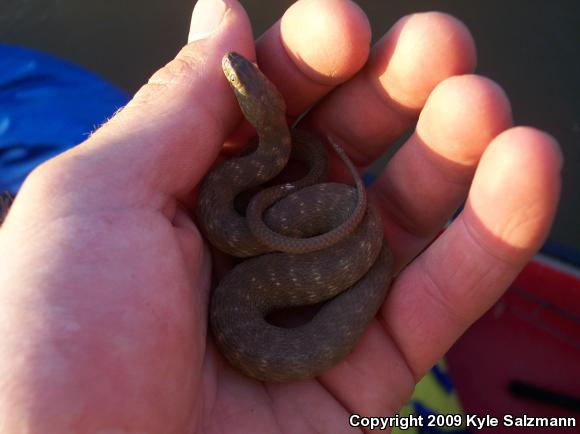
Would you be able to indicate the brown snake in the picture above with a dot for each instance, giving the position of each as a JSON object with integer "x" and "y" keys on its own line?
{"x": 313, "y": 241}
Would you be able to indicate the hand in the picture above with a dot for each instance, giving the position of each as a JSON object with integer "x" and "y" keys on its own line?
{"x": 104, "y": 280}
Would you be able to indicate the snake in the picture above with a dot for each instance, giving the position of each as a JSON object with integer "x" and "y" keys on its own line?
{"x": 308, "y": 242}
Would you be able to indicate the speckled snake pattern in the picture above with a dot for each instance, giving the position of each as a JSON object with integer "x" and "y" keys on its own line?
{"x": 306, "y": 242}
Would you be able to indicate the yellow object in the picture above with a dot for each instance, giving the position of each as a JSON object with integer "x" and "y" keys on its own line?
{"x": 434, "y": 395}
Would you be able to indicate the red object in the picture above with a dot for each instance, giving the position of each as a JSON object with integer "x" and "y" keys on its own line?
{"x": 531, "y": 335}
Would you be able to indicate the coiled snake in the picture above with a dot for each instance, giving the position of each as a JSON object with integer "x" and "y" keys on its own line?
{"x": 312, "y": 240}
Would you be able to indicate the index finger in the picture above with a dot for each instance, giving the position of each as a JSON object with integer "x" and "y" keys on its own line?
{"x": 314, "y": 47}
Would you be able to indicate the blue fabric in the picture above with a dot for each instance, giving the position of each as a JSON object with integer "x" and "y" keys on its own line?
{"x": 46, "y": 106}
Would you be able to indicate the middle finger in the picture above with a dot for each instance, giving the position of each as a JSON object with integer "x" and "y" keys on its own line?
{"x": 429, "y": 176}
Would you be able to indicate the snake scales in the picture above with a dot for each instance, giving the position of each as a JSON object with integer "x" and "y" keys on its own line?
{"x": 310, "y": 241}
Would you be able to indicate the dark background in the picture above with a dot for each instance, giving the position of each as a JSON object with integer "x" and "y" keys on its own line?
{"x": 530, "y": 47}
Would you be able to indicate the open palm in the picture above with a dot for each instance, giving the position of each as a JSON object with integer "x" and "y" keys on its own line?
{"x": 105, "y": 279}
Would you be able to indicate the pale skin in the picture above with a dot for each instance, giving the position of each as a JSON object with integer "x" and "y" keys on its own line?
{"x": 104, "y": 282}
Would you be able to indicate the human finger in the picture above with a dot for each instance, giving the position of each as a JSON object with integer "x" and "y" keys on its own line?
{"x": 429, "y": 176}
{"x": 162, "y": 143}
{"x": 314, "y": 47}
{"x": 511, "y": 206}
{"x": 372, "y": 110}
{"x": 509, "y": 211}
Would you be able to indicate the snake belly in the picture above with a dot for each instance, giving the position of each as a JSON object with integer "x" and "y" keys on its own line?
{"x": 307, "y": 242}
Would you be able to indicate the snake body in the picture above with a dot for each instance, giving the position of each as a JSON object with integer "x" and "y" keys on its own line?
{"x": 310, "y": 241}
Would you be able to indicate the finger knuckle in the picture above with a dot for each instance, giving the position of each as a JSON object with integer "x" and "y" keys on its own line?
{"x": 178, "y": 72}
{"x": 176, "y": 76}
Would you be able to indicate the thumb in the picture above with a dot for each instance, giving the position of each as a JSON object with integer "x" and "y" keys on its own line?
{"x": 168, "y": 135}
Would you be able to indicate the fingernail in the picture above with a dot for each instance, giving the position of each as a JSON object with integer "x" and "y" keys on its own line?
{"x": 206, "y": 18}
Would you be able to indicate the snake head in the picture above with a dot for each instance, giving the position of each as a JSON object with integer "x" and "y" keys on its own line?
{"x": 260, "y": 101}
